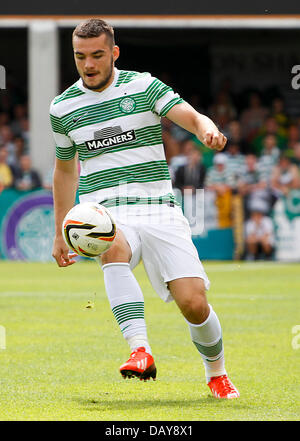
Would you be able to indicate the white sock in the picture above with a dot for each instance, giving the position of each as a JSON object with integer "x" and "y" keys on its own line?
{"x": 137, "y": 341}
{"x": 127, "y": 303}
{"x": 207, "y": 337}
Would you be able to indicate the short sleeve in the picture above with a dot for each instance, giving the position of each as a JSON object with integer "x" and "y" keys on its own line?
{"x": 161, "y": 98}
{"x": 65, "y": 149}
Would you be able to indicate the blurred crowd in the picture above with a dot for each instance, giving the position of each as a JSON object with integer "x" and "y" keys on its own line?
{"x": 15, "y": 161}
{"x": 260, "y": 163}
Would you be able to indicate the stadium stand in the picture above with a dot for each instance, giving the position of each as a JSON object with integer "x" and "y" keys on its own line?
{"x": 261, "y": 160}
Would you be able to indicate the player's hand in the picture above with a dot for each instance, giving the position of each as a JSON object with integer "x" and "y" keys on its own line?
{"x": 214, "y": 140}
{"x": 61, "y": 253}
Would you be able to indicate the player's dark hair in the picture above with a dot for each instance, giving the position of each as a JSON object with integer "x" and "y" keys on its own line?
{"x": 94, "y": 27}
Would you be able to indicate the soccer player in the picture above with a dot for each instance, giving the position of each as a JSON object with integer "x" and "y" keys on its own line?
{"x": 111, "y": 118}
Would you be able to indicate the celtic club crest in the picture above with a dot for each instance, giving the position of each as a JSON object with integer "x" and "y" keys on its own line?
{"x": 127, "y": 105}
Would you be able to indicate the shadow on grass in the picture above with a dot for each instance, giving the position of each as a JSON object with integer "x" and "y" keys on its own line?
{"x": 109, "y": 404}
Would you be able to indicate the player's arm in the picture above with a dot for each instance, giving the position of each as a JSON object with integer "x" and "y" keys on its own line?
{"x": 65, "y": 180}
{"x": 187, "y": 117}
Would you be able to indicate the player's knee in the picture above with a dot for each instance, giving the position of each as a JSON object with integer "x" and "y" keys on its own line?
{"x": 195, "y": 307}
{"x": 119, "y": 252}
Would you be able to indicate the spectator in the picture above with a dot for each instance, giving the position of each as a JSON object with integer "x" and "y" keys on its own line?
{"x": 6, "y": 174}
{"x": 19, "y": 113}
{"x": 253, "y": 117}
{"x": 226, "y": 86}
{"x": 266, "y": 163}
{"x": 296, "y": 154}
{"x": 19, "y": 148}
{"x": 293, "y": 137}
{"x": 182, "y": 158}
{"x": 235, "y": 161}
{"x": 285, "y": 176}
{"x": 253, "y": 188}
{"x": 270, "y": 127}
{"x": 269, "y": 158}
{"x": 250, "y": 176}
{"x": 27, "y": 178}
{"x": 234, "y": 135}
{"x": 188, "y": 179}
{"x": 24, "y": 124}
{"x": 222, "y": 110}
{"x": 4, "y": 119}
{"x": 220, "y": 181}
{"x": 191, "y": 175}
{"x": 259, "y": 232}
{"x": 7, "y": 139}
{"x": 278, "y": 112}
{"x": 6, "y": 101}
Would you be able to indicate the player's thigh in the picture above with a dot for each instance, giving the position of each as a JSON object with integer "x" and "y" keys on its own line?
{"x": 187, "y": 289}
{"x": 169, "y": 254}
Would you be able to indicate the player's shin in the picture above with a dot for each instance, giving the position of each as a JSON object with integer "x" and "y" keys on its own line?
{"x": 127, "y": 303}
{"x": 207, "y": 337}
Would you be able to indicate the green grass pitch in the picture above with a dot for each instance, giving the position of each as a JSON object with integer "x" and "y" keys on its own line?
{"x": 61, "y": 360}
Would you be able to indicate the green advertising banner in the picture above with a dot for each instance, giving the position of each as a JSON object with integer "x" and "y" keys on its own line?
{"x": 27, "y": 229}
{"x": 286, "y": 217}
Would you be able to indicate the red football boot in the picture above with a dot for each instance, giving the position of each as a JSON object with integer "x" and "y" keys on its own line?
{"x": 221, "y": 387}
{"x": 140, "y": 364}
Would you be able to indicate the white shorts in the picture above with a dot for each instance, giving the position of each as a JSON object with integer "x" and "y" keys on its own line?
{"x": 163, "y": 242}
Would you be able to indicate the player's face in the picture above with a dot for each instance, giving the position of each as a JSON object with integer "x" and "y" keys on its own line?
{"x": 94, "y": 59}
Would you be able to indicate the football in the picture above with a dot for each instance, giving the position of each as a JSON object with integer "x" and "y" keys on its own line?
{"x": 89, "y": 229}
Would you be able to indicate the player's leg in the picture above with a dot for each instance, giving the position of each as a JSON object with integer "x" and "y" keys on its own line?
{"x": 204, "y": 325}
{"x": 127, "y": 304}
{"x": 205, "y": 331}
{"x": 175, "y": 271}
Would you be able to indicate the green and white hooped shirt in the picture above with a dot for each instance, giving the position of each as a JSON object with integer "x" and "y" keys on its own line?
{"x": 118, "y": 137}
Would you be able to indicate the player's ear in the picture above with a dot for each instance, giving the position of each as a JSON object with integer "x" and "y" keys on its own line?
{"x": 116, "y": 52}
